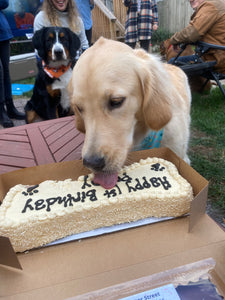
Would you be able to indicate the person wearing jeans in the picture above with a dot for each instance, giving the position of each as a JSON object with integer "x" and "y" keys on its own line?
{"x": 207, "y": 25}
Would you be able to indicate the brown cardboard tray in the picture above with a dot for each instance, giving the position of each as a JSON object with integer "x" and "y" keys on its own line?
{"x": 75, "y": 268}
{"x": 61, "y": 171}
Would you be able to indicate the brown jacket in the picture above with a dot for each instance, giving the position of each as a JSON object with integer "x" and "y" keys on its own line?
{"x": 207, "y": 24}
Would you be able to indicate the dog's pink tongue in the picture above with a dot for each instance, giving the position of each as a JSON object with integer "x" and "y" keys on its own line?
{"x": 108, "y": 181}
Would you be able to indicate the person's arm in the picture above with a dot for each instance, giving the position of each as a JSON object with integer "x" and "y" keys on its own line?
{"x": 155, "y": 15}
{"x": 82, "y": 36}
{"x": 188, "y": 35}
{"x": 202, "y": 21}
{"x": 40, "y": 21}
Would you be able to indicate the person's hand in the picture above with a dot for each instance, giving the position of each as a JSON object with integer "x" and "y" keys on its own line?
{"x": 176, "y": 48}
{"x": 155, "y": 27}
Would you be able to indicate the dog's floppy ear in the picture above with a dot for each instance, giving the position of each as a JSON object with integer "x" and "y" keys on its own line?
{"x": 156, "y": 108}
{"x": 79, "y": 122}
{"x": 38, "y": 41}
{"x": 74, "y": 42}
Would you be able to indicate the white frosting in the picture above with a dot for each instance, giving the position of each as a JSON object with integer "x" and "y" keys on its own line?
{"x": 33, "y": 216}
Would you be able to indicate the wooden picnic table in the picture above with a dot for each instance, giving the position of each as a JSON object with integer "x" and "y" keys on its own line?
{"x": 39, "y": 143}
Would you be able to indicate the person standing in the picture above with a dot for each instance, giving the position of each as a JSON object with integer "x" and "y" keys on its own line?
{"x": 142, "y": 18}
{"x": 61, "y": 13}
{"x": 85, "y": 7}
{"x": 5, "y": 80}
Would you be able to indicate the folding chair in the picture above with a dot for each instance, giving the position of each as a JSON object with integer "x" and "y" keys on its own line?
{"x": 199, "y": 66}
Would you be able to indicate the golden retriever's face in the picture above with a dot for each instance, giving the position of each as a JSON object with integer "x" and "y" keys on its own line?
{"x": 107, "y": 94}
{"x": 107, "y": 101}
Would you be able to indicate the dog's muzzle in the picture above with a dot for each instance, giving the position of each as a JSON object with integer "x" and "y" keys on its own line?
{"x": 94, "y": 163}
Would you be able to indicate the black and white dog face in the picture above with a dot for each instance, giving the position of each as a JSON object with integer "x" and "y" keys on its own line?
{"x": 56, "y": 45}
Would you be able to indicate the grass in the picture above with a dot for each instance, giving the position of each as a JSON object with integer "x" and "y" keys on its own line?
{"x": 207, "y": 145}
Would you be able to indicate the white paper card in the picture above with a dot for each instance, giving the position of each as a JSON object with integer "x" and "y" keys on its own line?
{"x": 166, "y": 292}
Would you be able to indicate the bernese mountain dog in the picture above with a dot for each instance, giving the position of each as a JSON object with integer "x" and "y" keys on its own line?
{"x": 57, "y": 48}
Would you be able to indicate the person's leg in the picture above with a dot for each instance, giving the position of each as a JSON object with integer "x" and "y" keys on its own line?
{"x": 132, "y": 45}
{"x": 145, "y": 44}
{"x": 89, "y": 36}
{"x": 4, "y": 119}
{"x": 5, "y": 55}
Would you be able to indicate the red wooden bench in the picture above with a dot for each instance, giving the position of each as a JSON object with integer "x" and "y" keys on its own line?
{"x": 39, "y": 143}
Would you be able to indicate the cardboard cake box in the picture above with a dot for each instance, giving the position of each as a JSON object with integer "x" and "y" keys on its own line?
{"x": 78, "y": 267}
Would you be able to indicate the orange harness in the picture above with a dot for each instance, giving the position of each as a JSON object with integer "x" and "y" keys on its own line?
{"x": 55, "y": 72}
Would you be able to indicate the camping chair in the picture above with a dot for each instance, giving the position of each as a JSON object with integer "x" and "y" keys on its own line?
{"x": 199, "y": 67}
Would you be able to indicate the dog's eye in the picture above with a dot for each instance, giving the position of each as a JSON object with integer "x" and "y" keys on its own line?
{"x": 116, "y": 102}
{"x": 79, "y": 109}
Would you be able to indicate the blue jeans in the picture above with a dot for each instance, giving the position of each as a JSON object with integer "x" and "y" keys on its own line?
{"x": 184, "y": 59}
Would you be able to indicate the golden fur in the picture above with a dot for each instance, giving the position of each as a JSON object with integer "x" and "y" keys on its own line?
{"x": 119, "y": 94}
{"x": 197, "y": 83}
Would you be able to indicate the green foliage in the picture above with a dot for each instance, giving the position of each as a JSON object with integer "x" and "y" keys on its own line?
{"x": 159, "y": 36}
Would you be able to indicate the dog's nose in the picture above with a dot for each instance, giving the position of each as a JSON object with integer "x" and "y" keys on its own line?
{"x": 58, "y": 53}
{"x": 94, "y": 162}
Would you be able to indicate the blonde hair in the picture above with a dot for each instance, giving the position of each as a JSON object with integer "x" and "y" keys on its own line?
{"x": 51, "y": 12}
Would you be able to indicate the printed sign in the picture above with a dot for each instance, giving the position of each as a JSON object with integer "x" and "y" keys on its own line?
{"x": 166, "y": 292}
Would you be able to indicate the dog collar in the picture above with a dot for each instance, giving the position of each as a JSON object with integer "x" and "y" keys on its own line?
{"x": 55, "y": 72}
{"x": 152, "y": 140}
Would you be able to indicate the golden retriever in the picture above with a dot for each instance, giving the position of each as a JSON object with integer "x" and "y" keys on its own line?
{"x": 198, "y": 84}
{"x": 118, "y": 95}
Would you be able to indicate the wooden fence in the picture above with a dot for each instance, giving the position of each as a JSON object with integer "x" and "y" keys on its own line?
{"x": 174, "y": 14}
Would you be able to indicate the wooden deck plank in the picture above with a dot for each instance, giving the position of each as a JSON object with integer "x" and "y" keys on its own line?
{"x": 45, "y": 124}
{"x": 39, "y": 143}
{"x": 12, "y": 148}
{"x": 63, "y": 140}
{"x": 40, "y": 148}
{"x": 75, "y": 154}
{"x": 14, "y": 137}
{"x": 71, "y": 146}
{"x": 53, "y": 127}
{"x": 67, "y": 129}
{"x": 16, "y": 161}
